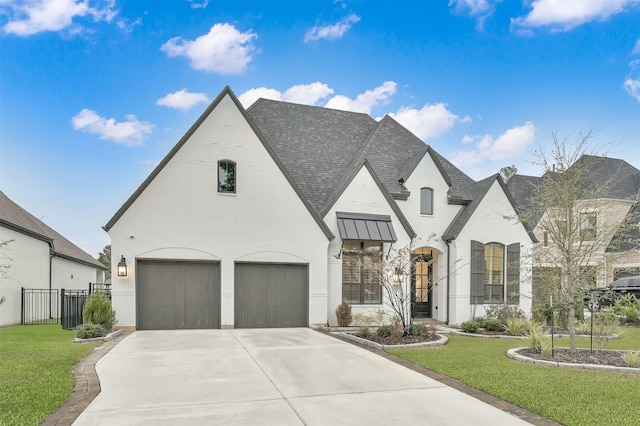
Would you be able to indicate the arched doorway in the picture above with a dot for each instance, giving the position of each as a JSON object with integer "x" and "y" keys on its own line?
{"x": 421, "y": 282}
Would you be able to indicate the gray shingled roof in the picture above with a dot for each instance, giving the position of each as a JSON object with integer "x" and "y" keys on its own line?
{"x": 315, "y": 145}
{"x": 320, "y": 150}
{"x": 480, "y": 189}
{"x": 15, "y": 217}
{"x": 619, "y": 179}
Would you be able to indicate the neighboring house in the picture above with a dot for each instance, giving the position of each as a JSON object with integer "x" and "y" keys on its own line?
{"x": 268, "y": 217}
{"x": 35, "y": 256}
{"x": 618, "y": 186}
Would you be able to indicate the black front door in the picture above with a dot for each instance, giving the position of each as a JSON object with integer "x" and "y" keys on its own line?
{"x": 421, "y": 283}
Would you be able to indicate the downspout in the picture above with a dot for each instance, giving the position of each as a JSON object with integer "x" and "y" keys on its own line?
{"x": 448, "y": 278}
{"x": 51, "y": 255}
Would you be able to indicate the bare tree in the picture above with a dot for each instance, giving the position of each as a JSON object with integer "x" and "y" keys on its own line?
{"x": 5, "y": 263}
{"x": 575, "y": 222}
{"x": 507, "y": 172}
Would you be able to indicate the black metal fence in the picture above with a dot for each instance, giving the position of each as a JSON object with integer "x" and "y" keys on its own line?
{"x": 39, "y": 306}
{"x": 44, "y": 306}
{"x": 71, "y": 306}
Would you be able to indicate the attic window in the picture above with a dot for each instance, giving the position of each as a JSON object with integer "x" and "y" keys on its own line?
{"x": 226, "y": 176}
{"x": 426, "y": 201}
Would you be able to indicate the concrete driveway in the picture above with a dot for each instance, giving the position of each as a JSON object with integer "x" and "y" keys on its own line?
{"x": 270, "y": 377}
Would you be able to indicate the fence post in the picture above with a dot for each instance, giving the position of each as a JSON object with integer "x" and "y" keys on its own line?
{"x": 63, "y": 311}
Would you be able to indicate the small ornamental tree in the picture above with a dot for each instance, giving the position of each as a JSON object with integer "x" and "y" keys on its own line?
{"x": 575, "y": 222}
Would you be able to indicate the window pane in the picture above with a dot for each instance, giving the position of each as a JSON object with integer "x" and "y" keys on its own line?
{"x": 494, "y": 273}
{"x": 426, "y": 201}
{"x": 360, "y": 263}
{"x": 588, "y": 226}
{"x": 226, "y": 176}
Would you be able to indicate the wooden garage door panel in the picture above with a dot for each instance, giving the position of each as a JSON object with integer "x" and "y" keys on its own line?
{"x": 173, "y": 295}
{"x": 271, "y": 295}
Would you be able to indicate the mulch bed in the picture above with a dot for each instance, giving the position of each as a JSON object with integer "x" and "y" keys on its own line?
{"x": 405, "y": 340}
{"x": 581, "y": 356}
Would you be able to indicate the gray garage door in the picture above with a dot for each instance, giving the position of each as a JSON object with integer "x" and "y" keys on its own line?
{"x": 176, "y": 294}
{"x": 271, "y": 295}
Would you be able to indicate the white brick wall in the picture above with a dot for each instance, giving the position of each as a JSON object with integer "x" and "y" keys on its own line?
{"x": 181, "y": 215}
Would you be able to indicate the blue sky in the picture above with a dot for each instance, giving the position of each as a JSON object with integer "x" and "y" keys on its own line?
{"x": 94, "y": 93}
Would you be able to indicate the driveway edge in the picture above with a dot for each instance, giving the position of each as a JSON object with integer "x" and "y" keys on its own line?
{"x": 505, "y": 406}
{"x": 87, "y": 385}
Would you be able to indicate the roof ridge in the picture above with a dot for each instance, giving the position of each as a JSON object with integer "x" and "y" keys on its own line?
{"x": 345, "y": 111}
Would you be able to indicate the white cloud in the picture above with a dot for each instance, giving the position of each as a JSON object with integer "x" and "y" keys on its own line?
{"x": 636, "y": 48}
{"x": 32, "y": 17}
{"x": 562, "y": 15}
{"x": 473, "y": 7}
{"x": 198, "y": 5}
{"x": 223, "y": 50}
{"x": 364, "y": 102}
{"x": 632, "y": 86}
{"x": 331, "y": 32}
{"x": 308, "y": 94}
{"x": 129, "y": 133}
{"x": 511, "y": 143}
{"x": 431, "y": 121}
{"x": 183, "y": 100}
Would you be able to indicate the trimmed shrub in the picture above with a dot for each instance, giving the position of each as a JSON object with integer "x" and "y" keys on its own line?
{"x": 364, "y": 331}
{"x": 493, "y": 325}
{"x": 384, "y": 331}
{"x": 98, "y": 310}
{"x": 89, "y": 331}
{"x": 343, "y": 314}
{"x": 469, "y": 326}
{"x": 504, "y": 312}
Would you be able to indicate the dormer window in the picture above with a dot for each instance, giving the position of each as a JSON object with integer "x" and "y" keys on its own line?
{"x": 226, "y": 176}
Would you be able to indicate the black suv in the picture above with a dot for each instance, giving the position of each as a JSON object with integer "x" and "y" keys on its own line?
{"x": 606, "y": 296}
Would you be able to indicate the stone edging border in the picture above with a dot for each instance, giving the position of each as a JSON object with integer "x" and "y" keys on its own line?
{"x": 442, "y": 340}
{"x": 87, "y": 384}
{"x": 485, "y": 336}
{"x": 106, "y": 338}
{"x": 513, "y": 354}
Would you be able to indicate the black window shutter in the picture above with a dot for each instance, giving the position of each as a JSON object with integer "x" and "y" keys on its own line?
{"x": 477, "y": 272}
{"x": 513, "y": 273}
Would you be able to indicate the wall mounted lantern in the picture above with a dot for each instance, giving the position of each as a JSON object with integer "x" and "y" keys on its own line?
{"x": 122, "y": 267}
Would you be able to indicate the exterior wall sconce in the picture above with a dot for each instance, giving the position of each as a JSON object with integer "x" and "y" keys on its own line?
{"x": 122, "y": 267}
{"x": 398, "y": 275}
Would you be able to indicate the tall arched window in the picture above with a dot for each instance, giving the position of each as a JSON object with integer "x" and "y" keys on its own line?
{"x": 226, "y": 176}
{"x": 426, "y": 201}
{"x": 493, "y": 273}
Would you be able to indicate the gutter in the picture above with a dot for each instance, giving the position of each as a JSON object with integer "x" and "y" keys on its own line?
{"x": 51, "y": 256}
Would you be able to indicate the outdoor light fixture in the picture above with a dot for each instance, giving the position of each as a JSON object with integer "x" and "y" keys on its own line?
{"x": 122, "y": 267}
{"x": 398, "y": 275}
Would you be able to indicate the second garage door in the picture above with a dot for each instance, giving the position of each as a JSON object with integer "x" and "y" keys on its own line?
{"x": 177, "y": 294}
{"x": 271, "y": 295}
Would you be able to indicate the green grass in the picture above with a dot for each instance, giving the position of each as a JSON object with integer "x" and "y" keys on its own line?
{"x": 36, "y": 371}
{"x": 568, "y": 396}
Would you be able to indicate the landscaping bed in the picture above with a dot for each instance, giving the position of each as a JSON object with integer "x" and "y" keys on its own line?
{"x": 580, "y": 356}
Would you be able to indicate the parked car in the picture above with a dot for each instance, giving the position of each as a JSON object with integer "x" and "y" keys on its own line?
{"x": 606, "y": 296}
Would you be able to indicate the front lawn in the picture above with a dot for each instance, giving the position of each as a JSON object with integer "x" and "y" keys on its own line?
{"x": 567, "y": 396}
{"x": 36, "y": 371}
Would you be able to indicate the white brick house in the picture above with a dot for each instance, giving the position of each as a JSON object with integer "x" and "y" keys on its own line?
{"x": 35, "y": 256}
{"x": 256, "y": 218}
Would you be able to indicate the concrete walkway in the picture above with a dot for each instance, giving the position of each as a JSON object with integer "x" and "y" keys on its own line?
{"x": 269, "y": 377}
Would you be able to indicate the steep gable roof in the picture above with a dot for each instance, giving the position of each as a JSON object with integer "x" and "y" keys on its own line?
{"x": 285, "y": 171}
{"x": 620, "y": 178}
{"x": 15, "y": 217}
{"x": 479, "y": 190}
{"x": 316, "y": 145}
